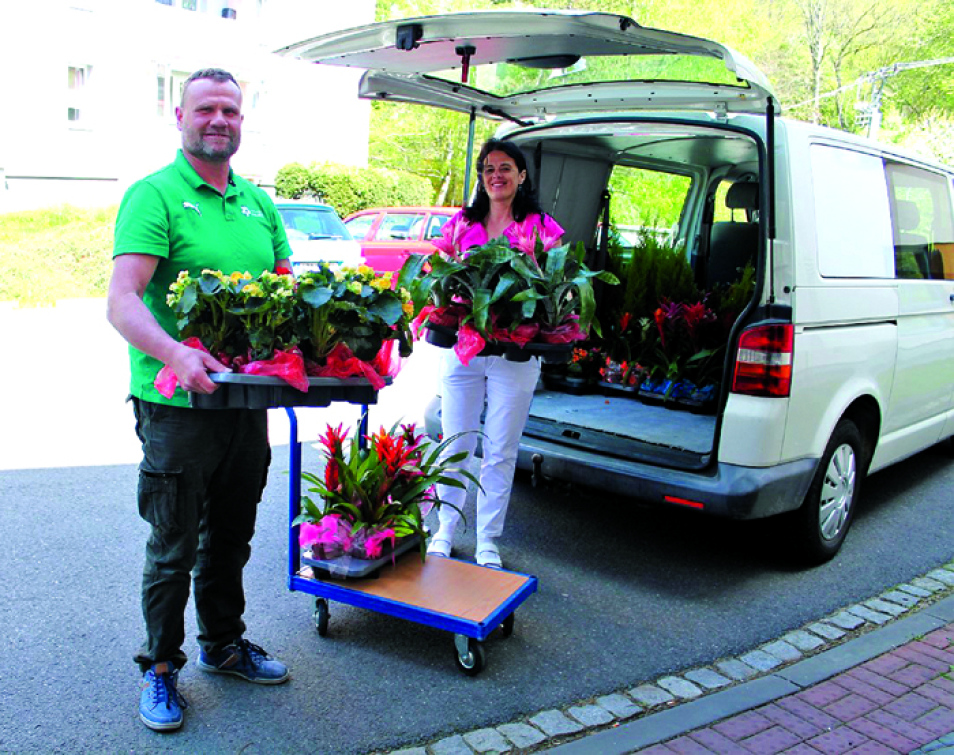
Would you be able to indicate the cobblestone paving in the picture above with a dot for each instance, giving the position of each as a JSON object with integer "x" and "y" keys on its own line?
{"x": 899, "y": 702}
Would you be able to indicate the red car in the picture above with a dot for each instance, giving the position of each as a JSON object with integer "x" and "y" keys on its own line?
{"x": 389, "y": 234}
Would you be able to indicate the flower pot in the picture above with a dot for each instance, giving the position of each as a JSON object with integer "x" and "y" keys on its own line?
{"x": 654, "y": 391}
{"x": 551, "y": 353}
{"x": 494, "y": 349}
{"x": 514, "y": 353}
{"x": 440, "y": 335}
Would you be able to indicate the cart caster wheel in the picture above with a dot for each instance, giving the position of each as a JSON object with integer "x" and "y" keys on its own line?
{"x": 506, "y": 628}
{"x": 469, "y": 655}
{"x": 321, "y": 616}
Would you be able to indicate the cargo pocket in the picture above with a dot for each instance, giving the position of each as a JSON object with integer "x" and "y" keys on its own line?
{"x": 158, "y": 493}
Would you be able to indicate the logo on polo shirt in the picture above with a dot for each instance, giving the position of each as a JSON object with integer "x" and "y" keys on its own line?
{"x": 190, "y": 206}
{"x": 252, "y": 213}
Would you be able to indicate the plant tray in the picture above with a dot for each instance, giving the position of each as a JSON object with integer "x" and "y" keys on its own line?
{"x": 238, "y": 391}
{"x": 349, "y": 567}
{"x": 618, "y": 389}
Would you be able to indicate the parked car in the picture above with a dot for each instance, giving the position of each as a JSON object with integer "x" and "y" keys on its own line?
{"x": 316, "y": 234}
{"x": 389, "y": 234}
{"x": 841, "y": 360}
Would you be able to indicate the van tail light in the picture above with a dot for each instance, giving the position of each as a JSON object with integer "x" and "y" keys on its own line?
{"x": 763, "y": 366}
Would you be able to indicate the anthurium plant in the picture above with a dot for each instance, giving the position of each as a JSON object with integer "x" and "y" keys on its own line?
{"x": 372, "y": 493}
{"x": 532, "y": 291}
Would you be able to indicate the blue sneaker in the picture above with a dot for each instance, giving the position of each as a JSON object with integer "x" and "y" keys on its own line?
{"x": 160, "y": 704}
{"x": 246, "y": 660}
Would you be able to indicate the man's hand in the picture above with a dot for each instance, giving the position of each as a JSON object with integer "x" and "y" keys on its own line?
{"x": 192, "y": 368}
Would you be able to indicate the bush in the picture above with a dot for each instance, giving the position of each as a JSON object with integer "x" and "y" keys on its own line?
{"x": 292, "y": 181}
{"x": 349, "y": 189}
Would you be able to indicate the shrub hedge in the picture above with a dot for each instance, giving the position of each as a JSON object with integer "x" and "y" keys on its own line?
{"x": 349, "y": 189}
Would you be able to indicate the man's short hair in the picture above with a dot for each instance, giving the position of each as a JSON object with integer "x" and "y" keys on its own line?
{"x": 216, "y": 74}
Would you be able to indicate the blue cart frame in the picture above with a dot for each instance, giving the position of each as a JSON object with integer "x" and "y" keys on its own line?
{"x": 468, "y": 632}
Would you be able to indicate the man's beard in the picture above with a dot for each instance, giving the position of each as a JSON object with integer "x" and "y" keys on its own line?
{"x": 199, "y": 148}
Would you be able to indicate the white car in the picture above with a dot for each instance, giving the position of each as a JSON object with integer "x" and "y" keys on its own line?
{"x": 841, "y": 360}
{"x": 316, "y": 234}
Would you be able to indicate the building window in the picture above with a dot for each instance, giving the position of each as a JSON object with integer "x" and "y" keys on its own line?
{"x": 76, "y": 85}
{"x": 169, "y": 84}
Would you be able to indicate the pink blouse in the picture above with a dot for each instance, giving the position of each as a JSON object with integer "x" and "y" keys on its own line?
{"x": 473, "y": 234}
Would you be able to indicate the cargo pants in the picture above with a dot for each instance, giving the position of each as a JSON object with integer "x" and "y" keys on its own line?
{"x": 200, "y": 482}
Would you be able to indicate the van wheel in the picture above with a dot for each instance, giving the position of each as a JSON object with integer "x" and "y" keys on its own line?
{"x": 829, "y": 507}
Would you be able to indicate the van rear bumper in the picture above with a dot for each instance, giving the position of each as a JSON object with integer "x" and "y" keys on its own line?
{"x": 726, "y": 490}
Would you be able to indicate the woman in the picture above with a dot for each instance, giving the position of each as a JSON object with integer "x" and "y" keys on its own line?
{"x": 504, "y": 205}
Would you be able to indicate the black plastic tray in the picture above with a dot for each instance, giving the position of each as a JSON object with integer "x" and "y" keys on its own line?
{"x": 238, "y": 391}
{"x": 349, "y": 567}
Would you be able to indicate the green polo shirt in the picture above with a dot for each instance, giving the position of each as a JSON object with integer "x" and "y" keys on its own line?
{"x": 176, "y": 216}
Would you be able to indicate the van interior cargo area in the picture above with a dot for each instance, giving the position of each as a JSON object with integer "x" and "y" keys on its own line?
{"x": 621, "y": 427}
{"x": 714, "y": 226}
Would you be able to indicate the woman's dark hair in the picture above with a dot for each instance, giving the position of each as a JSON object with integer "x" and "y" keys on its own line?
{"x": 524, "y": 202}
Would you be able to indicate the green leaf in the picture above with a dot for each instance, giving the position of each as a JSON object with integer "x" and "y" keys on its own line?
{"x": 316, "y": 296}
{"x": 411, "y": 270}
{"x": 387, "y": 308}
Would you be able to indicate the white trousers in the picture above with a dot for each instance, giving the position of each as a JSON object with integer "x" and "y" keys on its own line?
{"x": 508, "y": 388}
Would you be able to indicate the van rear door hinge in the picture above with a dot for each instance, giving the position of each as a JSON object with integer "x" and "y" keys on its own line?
{"x": 722, "y": 112}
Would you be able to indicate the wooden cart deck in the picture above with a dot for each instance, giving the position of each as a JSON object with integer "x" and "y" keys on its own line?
{"x": 458, "y": 596}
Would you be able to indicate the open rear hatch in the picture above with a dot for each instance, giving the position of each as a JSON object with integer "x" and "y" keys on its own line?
{"x": 527, "y": 65}
{"x": 530, "y": 67}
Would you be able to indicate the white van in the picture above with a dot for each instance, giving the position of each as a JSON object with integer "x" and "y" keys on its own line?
{"x": 842, "y": 361}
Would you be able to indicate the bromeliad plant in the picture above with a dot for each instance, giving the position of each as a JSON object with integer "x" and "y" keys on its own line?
{"x": 374, "y": 493}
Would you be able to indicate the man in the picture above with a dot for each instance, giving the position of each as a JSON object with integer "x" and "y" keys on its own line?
{"x": 203, "y": 471}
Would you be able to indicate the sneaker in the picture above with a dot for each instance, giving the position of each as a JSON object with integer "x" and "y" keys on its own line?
{"x": 488, "y": 554}
{"x": 244, "y": 659}
{"x": 160, "y": 704}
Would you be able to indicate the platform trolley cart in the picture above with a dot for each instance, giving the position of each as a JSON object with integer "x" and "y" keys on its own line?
{"x": 468, "y": 600}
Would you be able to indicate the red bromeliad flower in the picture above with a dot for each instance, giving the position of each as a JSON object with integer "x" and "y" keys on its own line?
{"x": 624, "y": 321}
{"x": 333, "y": 441}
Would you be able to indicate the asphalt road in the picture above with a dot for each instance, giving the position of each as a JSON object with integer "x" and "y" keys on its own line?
{"x": 627, "y": 593}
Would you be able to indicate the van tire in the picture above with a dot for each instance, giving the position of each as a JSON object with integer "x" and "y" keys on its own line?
{"x": 826, "y": 515}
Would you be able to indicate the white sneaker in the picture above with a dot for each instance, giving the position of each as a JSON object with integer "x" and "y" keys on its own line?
{"x": 488, "y": 554}
{"x": 441, "y": 544}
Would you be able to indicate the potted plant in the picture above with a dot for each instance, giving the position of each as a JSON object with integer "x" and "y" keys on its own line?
{"x": 372, "y": 495}
{"x": 530, "y": 297}
{"x": 329, "y": 323}
{"x": 237, "y": 315}
{"x": 354, "y": 307}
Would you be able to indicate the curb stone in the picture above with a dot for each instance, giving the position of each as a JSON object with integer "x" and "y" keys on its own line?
{"x": 549, "y": 728}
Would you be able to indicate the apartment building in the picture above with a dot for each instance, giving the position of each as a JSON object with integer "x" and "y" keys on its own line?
{"x": 88, "y": 90}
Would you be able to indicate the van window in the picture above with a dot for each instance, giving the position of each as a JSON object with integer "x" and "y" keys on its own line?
{"x": 647, "y": 199}
{"x": 922, "y": 223}
{"x": 852, "y": 217}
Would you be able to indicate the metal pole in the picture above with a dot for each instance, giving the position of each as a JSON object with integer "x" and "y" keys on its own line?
{"x": 465, "y": 52}
{"x": 470, "y": 155}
